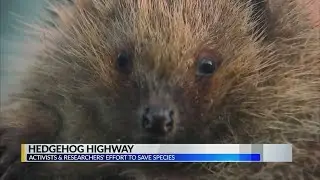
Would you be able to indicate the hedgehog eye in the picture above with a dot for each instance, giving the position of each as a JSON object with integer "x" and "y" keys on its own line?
{"x": 206, "y": 67}
{"x": 123, "y": 61}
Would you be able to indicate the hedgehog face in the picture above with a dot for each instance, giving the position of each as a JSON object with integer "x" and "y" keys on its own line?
{"x": 165, "y": 100}
{"x": 175, "y": 73}
{"x": 168, "y": 72}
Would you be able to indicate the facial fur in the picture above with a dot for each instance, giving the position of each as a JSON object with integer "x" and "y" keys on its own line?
{"x": 213, "y": 72}
{"x": 164, "y": 43}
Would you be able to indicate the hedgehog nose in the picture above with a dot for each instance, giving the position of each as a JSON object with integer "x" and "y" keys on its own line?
{"x": 157, "y": 120}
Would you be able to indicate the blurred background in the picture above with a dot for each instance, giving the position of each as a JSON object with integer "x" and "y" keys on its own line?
{"x": 12, "y": 14}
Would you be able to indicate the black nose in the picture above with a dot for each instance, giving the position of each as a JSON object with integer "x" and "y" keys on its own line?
{"x": 157, "y": 120}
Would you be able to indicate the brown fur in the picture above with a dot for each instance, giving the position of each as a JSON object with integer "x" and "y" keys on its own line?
{"x": 266, "y": 90}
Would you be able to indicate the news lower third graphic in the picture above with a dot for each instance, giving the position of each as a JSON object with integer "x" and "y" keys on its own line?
{"x": 156, "y": 153}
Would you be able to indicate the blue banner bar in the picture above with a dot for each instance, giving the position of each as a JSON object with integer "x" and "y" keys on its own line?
{"x": 143, "y": 158}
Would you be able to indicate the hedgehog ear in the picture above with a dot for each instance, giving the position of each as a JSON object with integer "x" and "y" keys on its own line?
{"x": 259, "y": 16}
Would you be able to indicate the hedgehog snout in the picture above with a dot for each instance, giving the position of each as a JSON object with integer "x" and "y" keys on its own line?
{"x": 158, "y": 120}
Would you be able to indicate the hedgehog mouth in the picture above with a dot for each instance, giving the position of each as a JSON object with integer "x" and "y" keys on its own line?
{"x": 156, "y": 139}
{"x": 153, "y": 139}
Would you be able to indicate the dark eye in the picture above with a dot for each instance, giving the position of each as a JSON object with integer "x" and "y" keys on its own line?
{"x": 206, "y": 67}
{"x": 123, "y": 61}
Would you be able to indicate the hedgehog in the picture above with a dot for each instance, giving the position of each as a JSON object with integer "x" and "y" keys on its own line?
{"x": 172, "y": 71}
